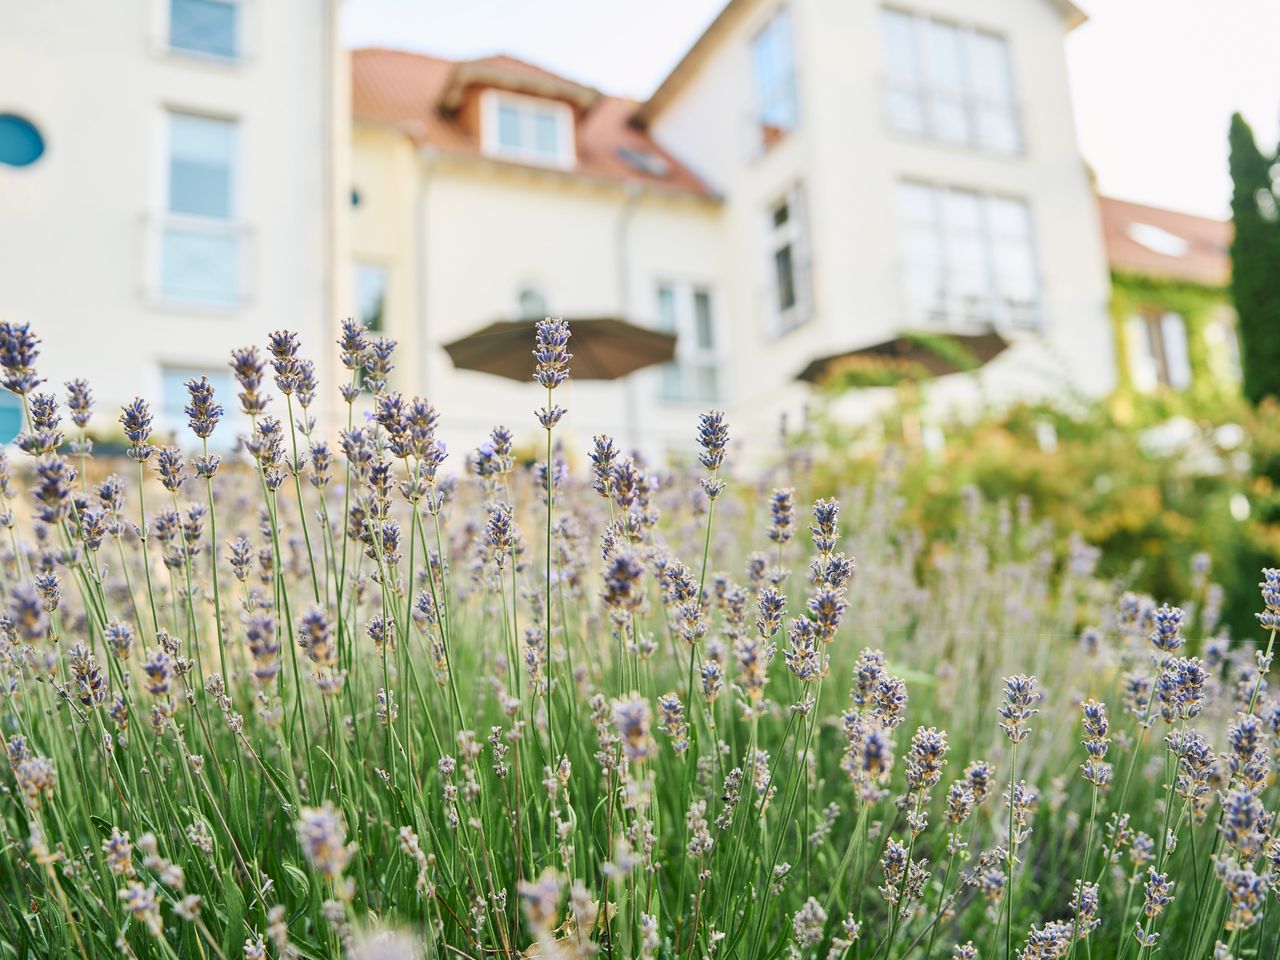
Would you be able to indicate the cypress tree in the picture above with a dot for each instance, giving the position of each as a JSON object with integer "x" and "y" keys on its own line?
{"x": 1255, "y": 262}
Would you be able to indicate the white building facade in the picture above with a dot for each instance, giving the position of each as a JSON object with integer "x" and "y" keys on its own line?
{"x": 174, "y": 195}
{"x": 814, "y": 176}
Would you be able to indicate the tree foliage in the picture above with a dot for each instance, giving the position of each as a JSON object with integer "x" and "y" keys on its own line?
{"x": 1255, "y": 261}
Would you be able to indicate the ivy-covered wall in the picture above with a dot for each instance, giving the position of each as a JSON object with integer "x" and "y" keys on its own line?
{"x": 1198, "y": 305}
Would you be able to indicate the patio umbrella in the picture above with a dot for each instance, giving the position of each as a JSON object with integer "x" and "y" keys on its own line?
{"x": 909, "y": 357}
{"x": 603, "y": 348}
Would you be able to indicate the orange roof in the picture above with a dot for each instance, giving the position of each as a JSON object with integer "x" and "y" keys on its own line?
{"x": 1165, "y": 243}
{"x": 419, "y": 94}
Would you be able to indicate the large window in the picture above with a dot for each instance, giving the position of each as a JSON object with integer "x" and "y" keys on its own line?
{"x": 949, "y": 82}
{"x": 968, "y": 258}
{"x": 694, "y": 376}
{"x": 174, "y": 399}
{"x": 371, "y": 295}
{"x": 209, "y": 27}
{"x": 201, "y": 242}
{"x": 788, "y": 266}
{"x": 528, "y": 129}
{"x": 773, "y": 60}
{"x": 1158, "y": 354}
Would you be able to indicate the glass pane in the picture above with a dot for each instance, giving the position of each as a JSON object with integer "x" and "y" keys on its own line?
{"x": 546, "y": 133}
{"x": 949, "y": 117}
{"x": 901, "y": 54}
{"x": 672, "y": 382}
{"x": 201, "y": 155}
{"x": 704, "y": 332}
{"x": 707, "y": 382}
{"x": 667, "y": 309}
{"x": 1174, "y": 332}
{"x": 10, "y": 416}
{"x": 968, "y": 272}
{"x": 203, "y": 26}
{"x": 1142, "y": 361}
{"x": 1016, "y": 279}
{"x": 946, "y": 57}
{"x": 990, "y": 77}
{"x": 906, "y": 110}
{"x": 371, "y": 292}
{"x": 200, "y": 265}
{"x": 775, "y": 77}
{"x": 784, "y": 271}
{"x": 174, "y": 398}
{"x": 509, "y": 133}
{"x": 533, "y": 305}
{"x": 997, "y": 127}
{"x": 20, "y": 141}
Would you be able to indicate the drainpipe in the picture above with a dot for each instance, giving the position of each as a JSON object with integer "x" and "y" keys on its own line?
{"x": 622, "y": 248}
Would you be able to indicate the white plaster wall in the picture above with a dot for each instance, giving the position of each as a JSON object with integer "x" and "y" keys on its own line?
{"x": 75, "y": 246}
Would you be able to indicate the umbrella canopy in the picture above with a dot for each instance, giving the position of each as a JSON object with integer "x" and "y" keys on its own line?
{"x": 603, "y": 348}
{"x": 909, "y": 357}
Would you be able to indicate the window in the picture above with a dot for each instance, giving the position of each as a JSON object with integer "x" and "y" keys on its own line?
{"x": 528, "y": 129}
{"x": 1158, "y": 351}
{"x": 694, "y": 376}
{"x": 10, "y": 416}
{"x": 788, "y": 263}
{"x": 200, "y": 256}
{"x": 531, "y": 304}
{"x": 174, "y": 398}
{"x": 20, "y": 142}
{"x": 967, "y": 257}
{"x": 949, "y": 83}
{"x": 209, "y": 27}
{"x": 773, "y": 60}
{"x": 371, "y": 295}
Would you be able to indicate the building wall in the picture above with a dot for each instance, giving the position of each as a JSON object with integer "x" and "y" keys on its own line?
{"x": 850, "y": 163}
{"x": 461, "y": 237}
{"x": 78, "y": 228}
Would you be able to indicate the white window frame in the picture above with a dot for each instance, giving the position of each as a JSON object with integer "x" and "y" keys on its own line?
{"x": 230, "y": 226}
{"x": 954, "y": 314}
{"x": 795, "y": 232}
{"x": 690, "y": 355}
{"x": 930, "y": 96}
{"x": 566, "y": 149}
{"x": 166, "y": 34}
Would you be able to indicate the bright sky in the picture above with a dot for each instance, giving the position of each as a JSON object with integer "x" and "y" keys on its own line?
{"x": 1155, "y": 81}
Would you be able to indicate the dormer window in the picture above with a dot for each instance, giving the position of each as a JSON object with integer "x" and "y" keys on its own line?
{"x": 527, "y": 129}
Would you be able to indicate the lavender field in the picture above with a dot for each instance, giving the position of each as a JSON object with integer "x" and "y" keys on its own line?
{"x": 362, "y": 696}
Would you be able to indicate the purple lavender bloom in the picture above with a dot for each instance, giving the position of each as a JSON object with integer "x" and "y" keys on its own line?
{"x": 136, "y": 420}
{"x": 713, "y": 437}
{"x": 551, "y": 340}
{"x": 18, "y": 352}
{"x": 203, "y": 412}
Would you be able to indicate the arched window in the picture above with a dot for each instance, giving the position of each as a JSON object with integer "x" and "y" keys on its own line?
{"x": 531, "y": 304}
{"x": 20, "y": 142}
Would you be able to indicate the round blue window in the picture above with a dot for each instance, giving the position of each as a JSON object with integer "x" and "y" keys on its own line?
{"x": 20, "y": 141}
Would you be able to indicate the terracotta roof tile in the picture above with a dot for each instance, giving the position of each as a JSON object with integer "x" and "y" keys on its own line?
{"x": 1166, "y": 243}
{"x": 406, "y": 90}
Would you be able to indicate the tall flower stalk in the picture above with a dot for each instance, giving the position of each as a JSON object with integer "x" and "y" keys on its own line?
{"x": 551, "y": 356}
